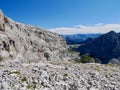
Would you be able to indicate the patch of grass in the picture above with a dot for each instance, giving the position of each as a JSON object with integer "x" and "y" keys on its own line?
{"x": 28, "y": 61}
{"x": 24, "y": 79}
{"x": 53, "y": 63}
{"x": 15, "y": 72}
{"x": 29, "y": 86}
{"x": 65, "y": 75}
{"x": 98, "y": 69}
{"x": 85, "y": 59}
{"x": 106, "y": 76}
{"x": 111, "y": 65}
{"x": 35, "y": 83}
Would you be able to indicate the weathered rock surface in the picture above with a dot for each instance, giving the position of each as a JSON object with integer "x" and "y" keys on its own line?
{"x": 34, "y": 59}
{"x": 2, "y": 27}
{"x": 115, "y": 61}
{"x": 29, "y": 43}
{"x": 49, "y": 75}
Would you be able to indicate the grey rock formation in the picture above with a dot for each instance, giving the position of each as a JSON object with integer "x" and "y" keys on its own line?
{"x": 104, "y": 47}
{"x": 115, "y": 61}
{"x": 2, "y": 27}
{"x": 29, "y": 43}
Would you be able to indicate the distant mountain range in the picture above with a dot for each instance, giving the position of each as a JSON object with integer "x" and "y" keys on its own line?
{"x": 78, "y": 38}
{"x": 105, "y": 47}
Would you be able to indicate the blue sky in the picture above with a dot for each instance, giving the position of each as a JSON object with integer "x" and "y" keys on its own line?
{"x": 62, "y": 13}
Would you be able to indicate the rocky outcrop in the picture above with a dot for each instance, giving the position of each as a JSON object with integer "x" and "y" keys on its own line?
{"x": 29, "y": 43}
{"x": 115, "y": 61}
{"x": 104, "y": 47}
{"x": 2, "y": 25}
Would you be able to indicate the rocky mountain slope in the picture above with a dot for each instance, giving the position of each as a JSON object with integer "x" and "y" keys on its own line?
{"x": 34, "y": 59}
{"x": 104, "y": 47}
{"x": 29, "y": 43}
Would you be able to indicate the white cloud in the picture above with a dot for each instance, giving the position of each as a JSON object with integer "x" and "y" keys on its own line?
{"x": 97, "y": 28}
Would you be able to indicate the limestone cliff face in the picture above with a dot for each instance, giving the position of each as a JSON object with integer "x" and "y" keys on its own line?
{"x": 29, "y": 43}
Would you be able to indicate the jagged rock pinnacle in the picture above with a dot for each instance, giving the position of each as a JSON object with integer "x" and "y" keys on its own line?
{"x": 2, "y": 25}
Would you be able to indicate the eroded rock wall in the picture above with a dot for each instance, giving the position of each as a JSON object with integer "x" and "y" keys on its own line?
{"x": 29, "y": 43}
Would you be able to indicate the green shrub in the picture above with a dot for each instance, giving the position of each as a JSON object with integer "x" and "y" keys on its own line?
{"x": 29, "y": 86}
{"x": 65, "y": 75}
{"x": 15, "y": 72}
{"x": 106, "y": 76}
{"x": 24, "y": 79}
{"x": 85, "y": 59}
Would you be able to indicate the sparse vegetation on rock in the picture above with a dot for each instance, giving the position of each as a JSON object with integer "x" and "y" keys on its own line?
{"x": 35, "y": 59}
